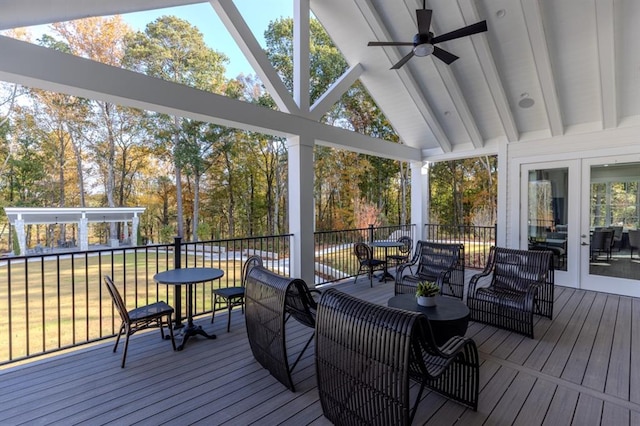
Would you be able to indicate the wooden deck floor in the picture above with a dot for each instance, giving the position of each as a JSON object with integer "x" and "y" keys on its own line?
{"x": 583, "y": 368}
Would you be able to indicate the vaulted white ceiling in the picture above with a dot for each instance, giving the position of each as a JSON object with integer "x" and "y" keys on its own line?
{"x": 544, "y": 68}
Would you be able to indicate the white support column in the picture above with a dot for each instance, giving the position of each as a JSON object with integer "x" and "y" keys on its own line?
{"x": 125, "y": 230}
{"x": 419, "y": 197}
{"x": 301, "y": 59}
{"x": 503, "y": 178}
{"x": 301, "y": 208}
{"x": 83, "y": 233}
{"x": 135, "y": 223}
{"x": 22, "y": 235}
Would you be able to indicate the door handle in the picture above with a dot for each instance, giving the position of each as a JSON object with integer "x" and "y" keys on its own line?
{"x": 584, "y": 244}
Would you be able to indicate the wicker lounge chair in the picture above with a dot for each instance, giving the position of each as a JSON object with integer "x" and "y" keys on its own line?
{"x": 270, "y": 300}
{"x": 441, "y": 263}
{"x": 366, "y": 355}
{"x": 520, "y": 284}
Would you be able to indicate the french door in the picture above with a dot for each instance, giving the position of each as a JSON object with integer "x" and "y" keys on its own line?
{"x": 567, "y": 206}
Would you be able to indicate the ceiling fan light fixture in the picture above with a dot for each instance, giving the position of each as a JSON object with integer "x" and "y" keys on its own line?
{"x": 424, "y": 49}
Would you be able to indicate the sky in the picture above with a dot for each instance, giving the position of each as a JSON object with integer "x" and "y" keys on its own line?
{"x": 257, "y": 14}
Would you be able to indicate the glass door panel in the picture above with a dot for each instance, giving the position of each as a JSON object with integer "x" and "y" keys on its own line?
{"x": 547, "y": 213}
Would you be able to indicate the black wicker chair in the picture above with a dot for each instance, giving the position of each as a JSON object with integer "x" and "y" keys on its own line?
{"x": 520, "y": 284}
{"x": 232, "y": 296}
{"x": 438, "y": 262}
{"x": 403, "y": 252}
{"x": 364, "y": 253}
{"x": 140, "y": 318}
{"x": 270, "y": 300}
{"x": 366, "y": 355}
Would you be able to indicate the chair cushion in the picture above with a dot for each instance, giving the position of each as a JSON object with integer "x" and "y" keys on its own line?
{"x": 149, "y": 311}
{"x": 229, "y": 292}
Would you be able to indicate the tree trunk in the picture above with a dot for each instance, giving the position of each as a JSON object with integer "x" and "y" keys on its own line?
{"x": 180, "y": 213}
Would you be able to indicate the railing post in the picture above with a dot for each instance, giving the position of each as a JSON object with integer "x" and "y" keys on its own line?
{"x": 370, "y": 233}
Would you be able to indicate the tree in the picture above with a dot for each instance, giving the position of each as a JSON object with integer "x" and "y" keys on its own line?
{"x": 172, "y": 49}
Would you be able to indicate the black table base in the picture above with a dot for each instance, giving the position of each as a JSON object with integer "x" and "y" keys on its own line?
{"x": 191, "y": 330}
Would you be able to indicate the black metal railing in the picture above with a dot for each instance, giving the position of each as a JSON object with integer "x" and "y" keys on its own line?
{"x": 53, "y": 301}
{"x": 477, "y": 240}
{"x": 334, "y": 258}
{"x": 56, "y": 300}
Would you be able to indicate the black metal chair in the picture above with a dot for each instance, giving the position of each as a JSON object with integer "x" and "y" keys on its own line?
{"x": 232, "y": 296}
{"x": 403, "y": 252}
{"x": 520, "y": 284}
{"x": 601, "y": 242}
{"x": 139, "y": 318}
{"x": 364, "y": 253}
{"x": 366, "y": 355}
{"x": 634, "y": 240}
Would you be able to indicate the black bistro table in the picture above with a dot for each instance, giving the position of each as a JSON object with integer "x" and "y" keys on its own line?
{"x": 188, "y": 277}
{"x": 450, "y": 317}
{"x": 386, "y": 245}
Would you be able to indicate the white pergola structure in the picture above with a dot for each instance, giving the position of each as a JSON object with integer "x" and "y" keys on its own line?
{"x": 20, "y": 217}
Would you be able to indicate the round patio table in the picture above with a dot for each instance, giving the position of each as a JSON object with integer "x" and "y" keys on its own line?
{"x": 450, "y": 317}
{"x": 188, "y": 277}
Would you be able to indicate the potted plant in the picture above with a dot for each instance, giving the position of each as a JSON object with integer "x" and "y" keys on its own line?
{"x": 426, "y": 292}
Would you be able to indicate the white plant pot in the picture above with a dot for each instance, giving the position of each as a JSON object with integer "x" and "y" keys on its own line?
{"x": 427, "y": 301}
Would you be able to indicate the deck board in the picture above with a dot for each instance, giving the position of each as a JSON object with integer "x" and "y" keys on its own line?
{"x": 578, "y": 370}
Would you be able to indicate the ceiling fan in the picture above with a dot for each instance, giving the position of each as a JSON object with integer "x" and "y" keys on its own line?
{"x": 423, "y": 42}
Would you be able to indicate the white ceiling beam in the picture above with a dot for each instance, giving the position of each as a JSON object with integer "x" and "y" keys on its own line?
{"x": 535, "y": 28}
{"x": 491, "y": 75}
{"x": 460, "y": 104}
{"x": 381, "y": 33}
{"x": 462, "y": 108}
{"x": 25, "y": 13}
{"x": 301, "y": 55}
{"x": 34, "y": 66}
{"x": 605, "y": 24}
{"x": 335, "y": 91}
{"x": 246, "y": 41}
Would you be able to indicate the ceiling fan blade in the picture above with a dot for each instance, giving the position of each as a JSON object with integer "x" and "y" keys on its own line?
{"x": 390, "y": 43}
{"x": 424, "y": 20}
{"x": 478, "y": 27}
{"x": 443, "y": 55}
{"x": 403, "y": 61}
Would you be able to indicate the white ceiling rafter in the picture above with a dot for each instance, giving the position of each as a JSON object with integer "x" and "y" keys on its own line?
{"x": 453, "y": 88}
{"x": 48, "y": 69}
{"x": 301, "y": 56}
{"x": 246, "y": 41}
{"x": 26, "y": 13}
{"x": 492, "y": 77}
{"x": 375, "y": 23}
{"x": 335, "y": 91}
{"x": 533, "y": 19}
{"x": 605, "y": 24}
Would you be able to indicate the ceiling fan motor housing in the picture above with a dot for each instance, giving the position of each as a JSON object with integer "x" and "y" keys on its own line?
{"x": 422, "y": 38}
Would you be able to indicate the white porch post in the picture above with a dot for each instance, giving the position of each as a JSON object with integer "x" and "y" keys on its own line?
{"x": 301, "y": 207}
{"x": 83, "y": 232}
{"x": 419, "y": 197}
{"x": 503, "y": 179}
{"x": 22, "y": 235}
{"x": 135, "y": 223}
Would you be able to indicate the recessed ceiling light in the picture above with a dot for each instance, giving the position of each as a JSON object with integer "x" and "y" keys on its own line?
{"x": 525, "y": 101}
{"x": 501, "y": 13}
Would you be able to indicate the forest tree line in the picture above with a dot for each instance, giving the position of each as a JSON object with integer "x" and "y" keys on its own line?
{"x": 201, "y": 180}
